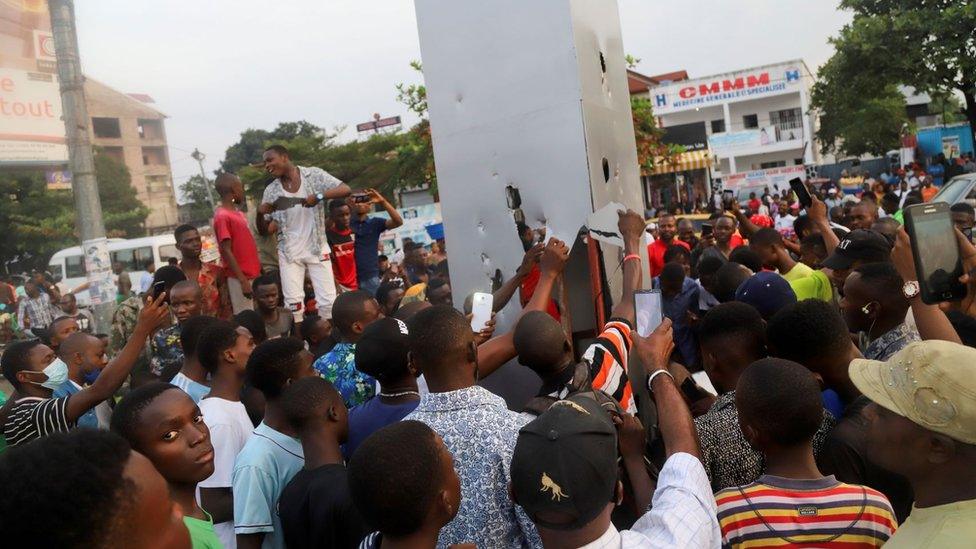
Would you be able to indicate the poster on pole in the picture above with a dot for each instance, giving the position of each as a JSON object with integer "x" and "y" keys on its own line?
{"x": 98, "y": 263}
{"x": 31, "y": 129}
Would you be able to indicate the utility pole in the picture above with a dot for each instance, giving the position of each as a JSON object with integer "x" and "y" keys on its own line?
{"x": 199, "y": 156}
{"x": 84, "y": 187}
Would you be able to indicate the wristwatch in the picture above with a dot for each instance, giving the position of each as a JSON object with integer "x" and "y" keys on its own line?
{"x": 911, "y": 289}
{"x": 319, "y": 196}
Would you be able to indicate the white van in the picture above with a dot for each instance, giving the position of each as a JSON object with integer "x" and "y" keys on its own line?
{"x": 68, "y": 265}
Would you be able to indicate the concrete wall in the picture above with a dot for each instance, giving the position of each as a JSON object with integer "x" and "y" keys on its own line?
{"x": 153, "y": 181}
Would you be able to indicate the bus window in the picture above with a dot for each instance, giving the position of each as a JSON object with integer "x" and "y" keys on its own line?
{"x": 74, "y": 266}
{"x": 167, "y": 251}
{"x": 56, "y": 271}
{"x": 134, "y": 259}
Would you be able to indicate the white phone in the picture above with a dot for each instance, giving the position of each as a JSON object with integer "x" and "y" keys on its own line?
{"x": 481, "y": 310}
{"x": 647, "y": 304}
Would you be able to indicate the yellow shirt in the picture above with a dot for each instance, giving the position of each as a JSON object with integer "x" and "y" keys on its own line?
{"x": 800, "y": 270}
{"x": 949, "y": 526}
{"x": 814, "y": 286}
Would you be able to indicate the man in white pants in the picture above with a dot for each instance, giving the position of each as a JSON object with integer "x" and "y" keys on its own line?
{"x": 293, "y": 207}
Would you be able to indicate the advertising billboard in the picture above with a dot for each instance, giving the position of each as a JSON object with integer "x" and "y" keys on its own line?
{"x": 777, "y": 180}
{"x": 31, "y": 129}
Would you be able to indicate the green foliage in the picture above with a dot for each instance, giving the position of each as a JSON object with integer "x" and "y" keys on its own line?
{"x": 930, "y": 45}
{"x": 631, "y": 61}
{"x": 414, "y": 96}
{"x": 36, "y": 222}
{"x": 651, "y": 150}
{"x": 194, "y": 192}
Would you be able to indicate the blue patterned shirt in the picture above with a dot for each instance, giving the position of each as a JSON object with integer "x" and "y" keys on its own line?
{"x": 480, "y": 432}
{"x": 339, "y": 367}
{"x": 891, "y": 342}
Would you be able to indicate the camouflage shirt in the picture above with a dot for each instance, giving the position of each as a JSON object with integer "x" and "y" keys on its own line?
{"x": 123, "y": 326}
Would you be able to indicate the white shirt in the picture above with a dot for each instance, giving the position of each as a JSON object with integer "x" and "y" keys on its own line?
{"x": 229, "y": 430}
{"x": 682, "y": 514}
{"x": 785, "y": 222}
{"x": 300, "y": 225}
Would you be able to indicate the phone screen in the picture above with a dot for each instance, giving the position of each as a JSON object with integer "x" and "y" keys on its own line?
{"x": 360, "y": 198}
{"x": 937, "y": 252}
{"x": 157, "y": 289}
{"x": 647, "y": 304}
{"x": 706, "y": 229}
{"x": 802, "y": 193}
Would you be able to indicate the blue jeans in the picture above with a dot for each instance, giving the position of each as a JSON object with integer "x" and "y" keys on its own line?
{"x": 370, "y": 284}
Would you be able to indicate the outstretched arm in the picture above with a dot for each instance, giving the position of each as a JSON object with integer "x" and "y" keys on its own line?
{"x": 499, "y": 350}
{"x": 113, "y": 375}
{"x": 503, "y": 295}
{"x": 631, "y": 226}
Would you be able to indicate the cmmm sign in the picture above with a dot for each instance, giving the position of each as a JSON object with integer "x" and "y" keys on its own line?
{"x": 716, "y": 90}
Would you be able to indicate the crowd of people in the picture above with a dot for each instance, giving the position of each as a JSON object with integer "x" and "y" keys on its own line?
{"x": 797, "y": 391}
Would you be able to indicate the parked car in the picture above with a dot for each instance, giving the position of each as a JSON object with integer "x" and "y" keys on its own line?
{"x": 961, "y": 188}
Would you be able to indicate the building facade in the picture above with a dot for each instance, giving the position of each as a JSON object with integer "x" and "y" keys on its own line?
{"x": 130, "y": 131}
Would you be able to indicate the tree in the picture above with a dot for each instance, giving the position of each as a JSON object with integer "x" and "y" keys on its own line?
{"x": 415, "y": 155}
{"x": 194, "y": 191}
{"x": 37, "y": 221}
{"x": 927, "y": 44}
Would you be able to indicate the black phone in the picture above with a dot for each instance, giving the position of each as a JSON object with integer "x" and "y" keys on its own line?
{"x": 360, "y": 198}
{"x": 937, "y": 259}
{"x": 728, "y": 196}
{"x": 802, "y": 193}
{"x": 706, "y": 229}
{"x": 157, "y": 289}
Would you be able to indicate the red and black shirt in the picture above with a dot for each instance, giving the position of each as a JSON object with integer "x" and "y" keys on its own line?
{"x": 343, "y": 244}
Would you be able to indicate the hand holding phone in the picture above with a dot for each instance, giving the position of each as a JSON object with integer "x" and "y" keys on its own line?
{"x": 938, "y": 263}
{"x": 647, "y": 305}
{"x": 157, "y": 289}
{"x": 481, "y": 304}
{"x": 728, "y": 197}
{"x": 706, "y": 230}
{"x": 361, "y": 198}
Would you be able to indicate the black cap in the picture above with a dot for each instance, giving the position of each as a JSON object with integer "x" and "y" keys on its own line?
{"x": 859, "y": 245}
{"x": 381, "y": 351}
{"x": 766, "y": 291}
{"x": 565, "y": 463}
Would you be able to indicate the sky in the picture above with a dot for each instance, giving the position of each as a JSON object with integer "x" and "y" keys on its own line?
{"x": 218, "y": 67}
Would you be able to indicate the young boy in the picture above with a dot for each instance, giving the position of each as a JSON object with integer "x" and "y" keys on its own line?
{"x": 278, "y": 321}
{"x": 403, "y": 481}
{"x": 223, "y": 350}
{"x": 192, "y": 377}
{"x": 273, "y": 455}
{"x": 116, "y": 496}
{"x": 237, "y": 248}
{"x": 793, "y": 503}
{"x": 382, "y": 354}
{"x": 84, "y": 354}
{"x": 316, "y": 509}
{"x": 165, "y": 425}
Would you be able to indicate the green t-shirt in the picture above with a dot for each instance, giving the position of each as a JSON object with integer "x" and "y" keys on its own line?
{"x": 202, "y": 533}
{"x": 815, "y": 286}
{"x": 800, "y": 270}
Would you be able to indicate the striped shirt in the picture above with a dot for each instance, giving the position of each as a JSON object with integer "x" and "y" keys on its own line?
{"x": 34, "y": 417}
{"x": 607, "y": 358}
{"x": 777, "y": 512}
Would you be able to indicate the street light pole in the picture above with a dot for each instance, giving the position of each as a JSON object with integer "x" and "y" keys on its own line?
{"x": 199, "y": 156}
{"x": 84, "y": 187}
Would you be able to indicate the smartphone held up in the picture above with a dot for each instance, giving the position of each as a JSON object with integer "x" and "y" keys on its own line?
{"x": 647, "y": 305}
{"x": 938, "y": 262}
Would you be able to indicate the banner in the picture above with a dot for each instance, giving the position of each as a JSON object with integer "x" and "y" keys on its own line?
{"x": 726, "y": 144}
{"x": 716, "y": 90}
{"x": 777, "y": 179}
{"x": 31, "y": 129}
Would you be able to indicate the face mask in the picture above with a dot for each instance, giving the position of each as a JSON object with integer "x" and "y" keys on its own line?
{"x": 57, "y": 374}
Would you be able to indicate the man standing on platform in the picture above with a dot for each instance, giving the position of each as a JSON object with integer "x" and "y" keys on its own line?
{"x": 293, "y": 207}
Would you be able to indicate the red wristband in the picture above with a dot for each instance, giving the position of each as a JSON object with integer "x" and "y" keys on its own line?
{"x": 632, "y": 256}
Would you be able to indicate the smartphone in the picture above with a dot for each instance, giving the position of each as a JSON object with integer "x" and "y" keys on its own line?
{"x": 728, "y": 196}
{"x": 937, "y": 259}
{"x": 285, "y": 202}
{"x": 157, "y": 289}
{"x": 647, "y": 304}
{"x": 481, "y": 304}
{"x": 360, "y": 198}
{"x": 802, "y": 193}
{"x": 706, "y": 229}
